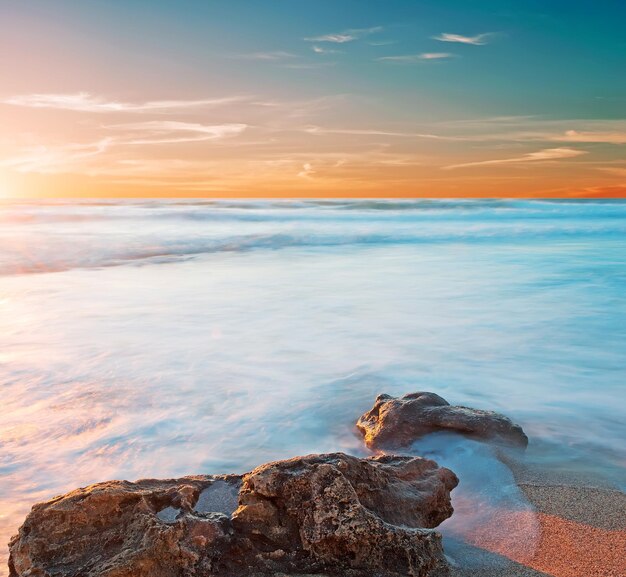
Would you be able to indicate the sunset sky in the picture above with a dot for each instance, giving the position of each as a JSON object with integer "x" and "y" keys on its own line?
{"x": 263, "y": 98}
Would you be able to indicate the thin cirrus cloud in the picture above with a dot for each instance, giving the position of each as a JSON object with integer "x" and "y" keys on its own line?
{"x": 478, "y": 40}
{"x": 587, "y": 136}
{"x": 321, "y": 50}
{"x": 535, "y": 128}
{"x": 346, "y": 36}
{"x": 74, "y": 156}
{"x": 616, "y": 170}
{"x": 410, "y": 58}
{"x": 546, "y": 154}
{"x": 86, "y": 102}
{"x": 312, "y": 129}
{"x": 172, "y": 132}
{"x": 49, "y": 160}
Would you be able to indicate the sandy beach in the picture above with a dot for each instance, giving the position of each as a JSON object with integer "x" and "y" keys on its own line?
{"x": 582, "y": 531}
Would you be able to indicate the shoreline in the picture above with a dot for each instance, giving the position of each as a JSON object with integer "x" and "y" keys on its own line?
{"x": 515, "y": 517}
{"x": 581, "y": 530}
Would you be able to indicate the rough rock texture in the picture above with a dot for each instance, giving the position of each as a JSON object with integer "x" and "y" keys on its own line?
{"x": 333, "y": 513}
{"x": 397, "y": 422}
{"x": 325, "y": 514}
{"x": 122, "y": 529}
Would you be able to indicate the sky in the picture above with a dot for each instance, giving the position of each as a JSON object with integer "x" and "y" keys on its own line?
{"x": 312, "y": 98}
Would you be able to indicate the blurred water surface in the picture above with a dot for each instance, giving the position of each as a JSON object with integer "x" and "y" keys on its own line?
{"x": 164, "y": 338}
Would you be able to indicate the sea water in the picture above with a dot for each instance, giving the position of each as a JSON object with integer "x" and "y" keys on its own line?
{"x": 164, "y": 338}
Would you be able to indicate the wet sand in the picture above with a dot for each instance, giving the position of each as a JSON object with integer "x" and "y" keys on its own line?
{"x": 581, "y": 531}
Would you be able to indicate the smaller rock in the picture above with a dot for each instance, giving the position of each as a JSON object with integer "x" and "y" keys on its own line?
{"x": 398, "y": 422}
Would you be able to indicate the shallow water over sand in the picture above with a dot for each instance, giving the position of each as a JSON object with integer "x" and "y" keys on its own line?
{"x": 158, "y": 339}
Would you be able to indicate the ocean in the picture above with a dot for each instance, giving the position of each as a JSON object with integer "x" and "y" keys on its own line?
{"x": 153, "y": 338}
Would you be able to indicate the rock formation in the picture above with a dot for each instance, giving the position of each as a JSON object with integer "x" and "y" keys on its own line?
{"x": 397, "y": 422}
{"x": 325, "y": 514}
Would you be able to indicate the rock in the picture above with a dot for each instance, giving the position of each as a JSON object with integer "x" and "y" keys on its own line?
{"x": 122, "y": 529}
{"x": 340, "y": 515}
{"x": 398, "y": 422}
{"x": 324, "y": 514}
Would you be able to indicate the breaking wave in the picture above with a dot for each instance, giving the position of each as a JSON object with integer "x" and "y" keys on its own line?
{"x": 59, "y": 236}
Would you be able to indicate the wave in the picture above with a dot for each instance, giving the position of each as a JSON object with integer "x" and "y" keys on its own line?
{"x": 199, "y": 208}
{"x": 61, "y": 235}
{"x": 37, "y": 256}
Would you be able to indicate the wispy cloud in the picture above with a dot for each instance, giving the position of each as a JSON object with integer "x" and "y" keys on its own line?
{"x": 546, "y": 154}
{"x": 533, "y": 128}
{"x": 370, "y": 132}
{"x": 286, "y": 110}
{"x": 616, "y": 170}
{"x": 86, "y": 102}
{"x": 346, "y": 36}
{"x": 337, "y": 38}
{"x": 77, "y": 157}
{"x": 409, "y": 58}
{"x": 307, "y": 170}
{"x": 54, "y": 159}
{"x": 600, "y": 137}
{"x": 169, "y": 132}
{"x": 272, "y": 55}
{"x": 614, "y": 191}
{"x": 320, "y": 50}
{"x": 478, "y": 40}
{"x": 435, "y": 55}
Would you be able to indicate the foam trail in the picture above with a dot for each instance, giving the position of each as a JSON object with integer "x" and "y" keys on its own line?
{"x": 490, "y": 512}
{"x": 60, "y": 236}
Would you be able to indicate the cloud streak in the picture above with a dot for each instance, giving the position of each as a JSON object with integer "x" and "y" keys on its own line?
{"x": 346, "y": 36}
{"x": 369, "y": 132}
{"x": 76, "y": 157}
{"x": 586, "y": 136}
{"x": 546, "y": 154}
{"x": 411, "y": 58}
{"x": 321, "y": 50}
{"x": 164, "y": 132}
{"x": 307, "y": 170}
{"x": 478, "y": 40}
{"x": 86, "y": 102}
{"x": 49, "y": 160}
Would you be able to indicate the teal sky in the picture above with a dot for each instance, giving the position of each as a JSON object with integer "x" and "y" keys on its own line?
{"x": 531, "y": 67}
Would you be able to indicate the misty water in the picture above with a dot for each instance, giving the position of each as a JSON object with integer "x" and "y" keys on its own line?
{"x": 165, "y": 338}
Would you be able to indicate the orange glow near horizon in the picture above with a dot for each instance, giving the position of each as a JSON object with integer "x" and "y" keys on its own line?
{"x": 115, "y": 154}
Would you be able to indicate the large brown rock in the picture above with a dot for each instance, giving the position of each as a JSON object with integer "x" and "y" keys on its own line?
{"x": 324, "y": 514}
{"x": 122, "y": 529}
{"x": 398, "y": 422}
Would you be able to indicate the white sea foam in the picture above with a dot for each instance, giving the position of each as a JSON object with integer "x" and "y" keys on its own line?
{"x": 60, "y": 236}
